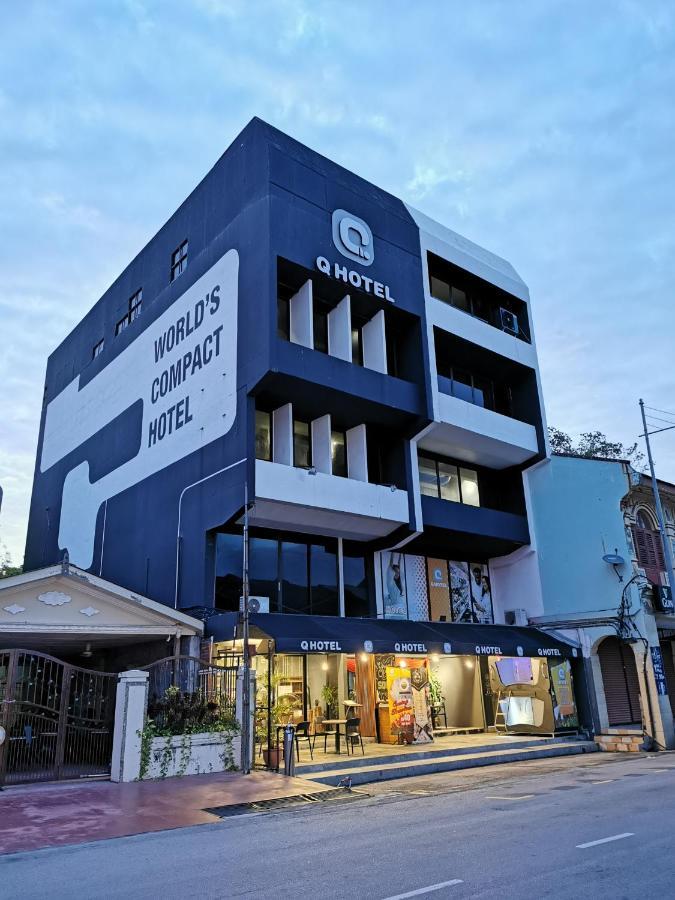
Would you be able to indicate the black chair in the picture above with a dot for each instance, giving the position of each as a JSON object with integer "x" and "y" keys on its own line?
{"x": 437, "y": 713}
{"x": 353, "y": 735}
{"x": 302, "y": 734}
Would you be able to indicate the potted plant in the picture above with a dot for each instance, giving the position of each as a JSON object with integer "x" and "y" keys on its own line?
{"x": 329, "y": 695}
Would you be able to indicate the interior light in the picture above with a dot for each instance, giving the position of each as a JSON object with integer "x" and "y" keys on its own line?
{"x": 435, "y": 657}
{"x": 324, "y": 665}
{"x": 364, "y": 657}
{"x": 402, "y": 664}
{"x": 468, "y": 663}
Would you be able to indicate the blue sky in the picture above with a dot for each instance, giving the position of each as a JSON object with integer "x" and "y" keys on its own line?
{"x": 543, "y": 131}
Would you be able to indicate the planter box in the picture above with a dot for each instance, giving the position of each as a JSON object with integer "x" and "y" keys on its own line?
{"x": 207, "y": 754}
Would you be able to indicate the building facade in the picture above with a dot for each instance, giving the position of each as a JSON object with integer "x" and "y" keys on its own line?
{"x": 600, "y": 555}
{"x": 367, "y": 379}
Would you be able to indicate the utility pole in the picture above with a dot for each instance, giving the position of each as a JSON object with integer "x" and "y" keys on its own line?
{"x": 667, "y": 546}
{"x": 246, "y": 699}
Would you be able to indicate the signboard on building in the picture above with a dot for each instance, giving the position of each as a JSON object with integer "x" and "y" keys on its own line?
{"x": 659, "y": 673}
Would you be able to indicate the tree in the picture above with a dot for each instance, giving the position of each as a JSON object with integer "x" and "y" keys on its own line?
{"x": 594, "y": 443}
{"x": 6, "y": 567}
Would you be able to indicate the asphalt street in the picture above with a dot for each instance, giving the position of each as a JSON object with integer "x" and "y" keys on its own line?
{"x": 586, "y": 826}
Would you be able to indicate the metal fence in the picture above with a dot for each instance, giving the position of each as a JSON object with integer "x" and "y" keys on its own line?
{"x": 186, "y": 691}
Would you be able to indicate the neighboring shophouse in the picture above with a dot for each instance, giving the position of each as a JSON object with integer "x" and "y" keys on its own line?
{"x": 369, "y": 380}
{"x": 584, "y": 512}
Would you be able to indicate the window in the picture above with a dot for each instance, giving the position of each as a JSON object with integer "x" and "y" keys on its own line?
{"x": 338, "y": 453}
{"x": 320, "y": 317}
{"x": 133, "y": 311}
{"x": 179, "y": 259}
{"x": 263, "y": 435}
{"x": 357, "y": 347}
{"x": 649, "y": 547}
{"x": 476, "y": 389}
{"x": 283, "y": 318}
{"x": 447, "y": 481}
{"x": 302, "y": 455}
{"x": 98, "y": 349}
{"x": 355, "y": 576}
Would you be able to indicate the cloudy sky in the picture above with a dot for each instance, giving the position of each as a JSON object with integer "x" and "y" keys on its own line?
{"x": 544, "y": 131}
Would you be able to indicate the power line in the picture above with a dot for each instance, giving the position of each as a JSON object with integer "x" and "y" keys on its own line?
{"x": 665, "y": 411}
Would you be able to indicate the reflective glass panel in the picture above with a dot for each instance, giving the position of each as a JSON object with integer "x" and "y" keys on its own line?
{"x": 469, "y": 480}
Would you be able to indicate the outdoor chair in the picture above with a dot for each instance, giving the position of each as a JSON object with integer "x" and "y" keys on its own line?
{"x": 353, "y": 735}
{"x": 302, "y": 734}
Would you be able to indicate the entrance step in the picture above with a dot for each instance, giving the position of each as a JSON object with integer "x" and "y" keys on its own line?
{"x": 621, "y": 740}
{"x": 375, "y": 770}
{"x": 415, "y": 754}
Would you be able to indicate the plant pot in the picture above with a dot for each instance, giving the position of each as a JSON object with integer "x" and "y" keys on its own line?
{"x": 271, "y": 757}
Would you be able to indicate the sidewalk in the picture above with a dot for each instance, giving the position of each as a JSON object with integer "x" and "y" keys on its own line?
{"x": 53, "y": 815}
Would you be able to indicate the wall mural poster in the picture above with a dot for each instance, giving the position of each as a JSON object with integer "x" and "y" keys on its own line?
{"x": 481, "y": 592}
{"x": 393, "y": 585}
{"x": 460, "y": 592}
{"x": 439, "y": 590}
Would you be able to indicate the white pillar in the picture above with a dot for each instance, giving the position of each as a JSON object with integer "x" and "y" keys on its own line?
{"x": 357, "y": 454}
{"x": 130, "y": 708}
{"x": 340, "y": 330}
{"x": 375, "y": 344}
{"x": 302, "y": 316}
{"x": 282, "y": 435}
{"x": 321, "y": 448}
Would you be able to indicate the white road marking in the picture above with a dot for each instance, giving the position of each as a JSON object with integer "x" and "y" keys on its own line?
{"x": 427, "y": 890}
{"x": 607, "y": 840}
{"x": 521, "y": 797}
{"x": 605, "y": 781}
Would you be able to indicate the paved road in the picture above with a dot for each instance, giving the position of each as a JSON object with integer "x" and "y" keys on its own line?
{"x": 588, "y": 826}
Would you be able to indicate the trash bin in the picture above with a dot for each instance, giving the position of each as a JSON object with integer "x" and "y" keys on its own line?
{"x": 289, "y": 750}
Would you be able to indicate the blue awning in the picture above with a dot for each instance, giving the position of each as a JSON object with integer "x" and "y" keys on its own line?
{"x": 334, "y": 634}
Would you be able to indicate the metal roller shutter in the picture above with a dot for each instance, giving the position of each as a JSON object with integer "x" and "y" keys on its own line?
{"x": 620, "y": 680}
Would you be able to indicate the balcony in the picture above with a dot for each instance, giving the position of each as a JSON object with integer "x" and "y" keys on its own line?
{"x": 317, "y": 503}
{"x": 480, "y": 436}
{"x": 477, "y": 529}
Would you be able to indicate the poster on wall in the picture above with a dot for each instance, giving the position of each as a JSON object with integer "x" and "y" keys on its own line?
{"x": 481, "y": 593}
{"x": 460, "y": 592}
{"x": 416, "y": 588}
{"x": 382, "y": 661}
{"x": 562, "y": 691}
{"x": 423, "y": 731}
{"x": 401, "y": 710}
{"x": 439, "y": 590}
{"x": 393, "y": 585}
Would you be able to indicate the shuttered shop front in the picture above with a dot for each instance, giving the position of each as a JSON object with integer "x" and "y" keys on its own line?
{"x": 620, "y": 681}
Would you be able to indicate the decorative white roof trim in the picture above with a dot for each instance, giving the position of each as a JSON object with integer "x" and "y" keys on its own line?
{"x": 54, "y": 598}
{"x": 14, "y": 609}
{"x": 90, "y": 611}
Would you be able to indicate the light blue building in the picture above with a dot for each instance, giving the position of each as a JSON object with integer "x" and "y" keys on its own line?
{"x": 597, "y": 548}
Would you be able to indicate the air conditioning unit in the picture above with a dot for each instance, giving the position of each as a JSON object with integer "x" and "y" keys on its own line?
{"x": 515, "y": 616}
{"x": 509, "y": 321}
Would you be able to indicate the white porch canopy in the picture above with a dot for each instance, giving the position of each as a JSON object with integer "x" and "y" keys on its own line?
{"x": 63, "y": 608}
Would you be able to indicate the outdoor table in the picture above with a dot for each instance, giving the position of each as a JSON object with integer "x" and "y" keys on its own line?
{"x": 337, "y": 723}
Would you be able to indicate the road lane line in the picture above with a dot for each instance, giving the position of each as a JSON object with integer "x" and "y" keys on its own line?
{"x": 607, "y": 840}
{"x": 521, "y": 797}
{"x": 605, "y": 781}
{"x": 427, "y": 890}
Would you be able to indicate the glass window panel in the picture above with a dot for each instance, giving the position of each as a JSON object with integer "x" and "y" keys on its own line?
{"x": 503, "y": 403}
{"x": 459, "y": 299}
{"x": 482, "y": 392}
{"x": 440, "y": 289}
{"x": 323, "y": 579}
{"x": 294, "y": 586}
{"x": 229, "y": 568}
{"x": 357, "y": 594}
{"x": 461, "y": 385}
{"x": 338, "y": 453}
{"x": 428, "y": 476}
{"x": 481, "y": 308}
{"x": 263, "y": 435}
{"x": 301, "y": 446}
{"x": 263, "y": 569}
{"x": 448, "y": 480}
{"x": 283, "y": 318}
{"x": 320, "y": 330}
{"x": 469, "y": 480}
{"x": 357, "y": 353}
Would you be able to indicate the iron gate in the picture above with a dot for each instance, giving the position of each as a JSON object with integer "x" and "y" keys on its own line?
{"x": 58, "y": 718}
{"x": 197, "y": 681}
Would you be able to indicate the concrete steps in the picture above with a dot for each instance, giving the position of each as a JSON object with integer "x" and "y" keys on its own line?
{"x": 366, "y": 770}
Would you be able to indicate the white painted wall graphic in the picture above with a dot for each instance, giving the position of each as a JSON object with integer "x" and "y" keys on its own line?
{"x": 184, "y": 369}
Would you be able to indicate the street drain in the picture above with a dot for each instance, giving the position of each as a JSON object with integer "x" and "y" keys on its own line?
{"x": 238, "y": 809}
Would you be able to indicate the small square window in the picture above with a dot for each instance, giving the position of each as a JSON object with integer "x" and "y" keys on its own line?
{"x": 263, "y": 435}
{"x": 440, "y": 289}
{"x": 98, "y": 349}
{"x": 338, "y": 453}
{"x": 469, "y": 482}
{"x": 179, "y": 259}
{"x": 302, "y": 451}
